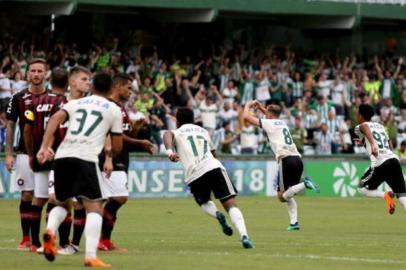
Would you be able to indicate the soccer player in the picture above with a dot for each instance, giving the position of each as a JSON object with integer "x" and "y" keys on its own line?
{"x": 384, "y": 166}
{"x": 116, "y": 183}
{"x": 76, "y": 170}
{"x": 288, "y": 158}
{"x": 24, "y": 175}
{"x": 204, "y": 173}
{"x": 37, "y": 115}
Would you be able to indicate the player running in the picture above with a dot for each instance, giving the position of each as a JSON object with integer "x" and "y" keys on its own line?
{"x": 116, "y": 182}
{"x": 204, "y": 173}
{"x": 77, "y": 174}
{"x": 288, "y": 158}
{"x": 385, "y": 165}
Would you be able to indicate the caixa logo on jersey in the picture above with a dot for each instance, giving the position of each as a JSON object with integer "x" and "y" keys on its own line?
{"x": 44, "y": 107}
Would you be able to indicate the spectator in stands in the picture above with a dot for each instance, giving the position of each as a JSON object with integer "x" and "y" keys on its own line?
{"x": 5, "y": 87}
{"x": 401, "y": 152}
{"x": 299, "y": 134}
{"x": 230, "y": 92}
{"x": 323, "y": 140}
{"x": 227, "y": 138}
{"x": 228, "y": 114}
{"x": 18, "y": 84}
{"x": 248, "y": 139}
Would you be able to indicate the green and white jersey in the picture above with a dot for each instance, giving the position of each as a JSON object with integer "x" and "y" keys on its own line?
{"x": 193, "y": 146}
{"x": 382, "y": 141}
{"x": 90, "y": 120}
{"x": 248, "y": 137}
{"x": 208, "y": 115}
{"x": 279, "y": 137}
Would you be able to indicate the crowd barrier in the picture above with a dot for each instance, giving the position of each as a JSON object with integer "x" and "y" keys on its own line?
{"x": 151, "y": 177}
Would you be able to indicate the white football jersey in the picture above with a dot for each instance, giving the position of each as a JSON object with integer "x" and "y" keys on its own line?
{"x": 90, "y": 120}
{"x": 209, "y": 115}
{"x": 382, "y": 141}
{"x": 193, "y": 146}
{"x": 279, "y": 137}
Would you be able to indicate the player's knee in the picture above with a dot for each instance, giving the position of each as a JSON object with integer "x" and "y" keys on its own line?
{"x": 121, "y": 200}
{"x": 26, "y": 196}
{"x": 280, "y": 197}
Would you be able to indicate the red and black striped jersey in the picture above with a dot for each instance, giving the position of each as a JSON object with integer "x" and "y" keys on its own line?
{"x": 37, "y": 115}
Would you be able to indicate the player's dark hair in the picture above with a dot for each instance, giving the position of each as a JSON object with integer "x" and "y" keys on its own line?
{"x": 184, "y": 116}
{"x": 37, "y": 61}
{"x": 121, "y": 79}
{"x": 366, "y": 111}
{"x": 274, "y": 109}
{"x": 79, "y": 69}
{"x": 102, "y": 82}
{"x": 59, "y": 78}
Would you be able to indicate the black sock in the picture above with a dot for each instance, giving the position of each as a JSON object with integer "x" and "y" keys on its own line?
{"x": 64, "y": 230}
{"x": 25, "y": 216}
{"x": 109, "y": 218}
{"x": 48, "y": 210}
{"x": 79, "y": 221}
{"x": 35, "y": 224}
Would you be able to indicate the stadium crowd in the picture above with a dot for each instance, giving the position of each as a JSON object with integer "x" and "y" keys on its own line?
{"x": 319, "y": 93}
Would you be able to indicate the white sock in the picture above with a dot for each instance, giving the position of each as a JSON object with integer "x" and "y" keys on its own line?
{"x": 238, "y": 220}
{"x": 293, "y": 190}
{"x": 92, "y": 232}
{"x": 292, "y": 210}
{"x": 55, "y": 218}
{"x": 209, "y": 208}
{"x": 402, "y": 201}
{"x": 372, "y": 193}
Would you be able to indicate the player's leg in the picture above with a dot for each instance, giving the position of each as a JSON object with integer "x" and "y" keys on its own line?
{"x": 201, "y": 191}
{"x": 79, "y": 221}
{"x": 395, "y": 180}
{"x": 25, "y": 184}
{"x": 40, "y": 199}
{"x": 224, "y": 190}
{"x": 116, "y": 186}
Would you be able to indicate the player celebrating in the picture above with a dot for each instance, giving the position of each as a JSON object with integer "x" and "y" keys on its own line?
{"x": 385, "y": 165}
{"x": 289, "y": 159}
{"x": 76, "y": 169}
{"x": 204, "y": 173}
{"x": 116, "y": 183}
{"x": 24, "y": 176}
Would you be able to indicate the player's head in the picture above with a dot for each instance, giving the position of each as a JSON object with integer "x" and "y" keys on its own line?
{"x": 274, "y": 111}
{"x": 79, "y": 80}
{"x": 102, "y": 84}
{"x": 59, "y": 78}
{"x": 365, "y": 113}
{"x": 184, "y": 116}
{"x": 37, "y": 71}
{"x": 122, "y": 86}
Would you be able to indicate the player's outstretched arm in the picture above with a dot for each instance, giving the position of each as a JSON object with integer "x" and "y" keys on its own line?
{"x": 168, "y": 142}
{"x": 9, "y": 145}
{"x": 364, "y": 128}
{"x": 145, "y": 144}
{"x": 247, "y": 116}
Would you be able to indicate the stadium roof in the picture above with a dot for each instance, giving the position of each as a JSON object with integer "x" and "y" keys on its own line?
{"x": 207, "y": 10}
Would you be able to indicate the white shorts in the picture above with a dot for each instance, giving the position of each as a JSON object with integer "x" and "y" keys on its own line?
{"x": 24, "y": 175}
{"x": 51, "y": 181}
{"x": 41, "y": 180}
{"x": 116, "y": 185}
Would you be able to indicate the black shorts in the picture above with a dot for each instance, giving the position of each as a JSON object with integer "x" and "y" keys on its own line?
{"x": 4, "y": 103}
{"x": 390, "y": 171}
{"x": 215, "y": 180}
{"x": 289, "y": 173}
{"x": 77, "y": 178}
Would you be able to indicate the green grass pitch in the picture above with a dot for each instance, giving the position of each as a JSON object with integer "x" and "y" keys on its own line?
{"x": 175, "y": 234}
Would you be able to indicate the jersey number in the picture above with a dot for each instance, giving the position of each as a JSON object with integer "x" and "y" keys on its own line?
{"x": 193, "y": 144}
{"x": 82, "y": 120}
{"x": 287, "y": 136}
{"x": 382, "y": 141}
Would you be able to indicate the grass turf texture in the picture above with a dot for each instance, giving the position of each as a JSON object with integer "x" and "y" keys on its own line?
{"x": 175, "y": 234}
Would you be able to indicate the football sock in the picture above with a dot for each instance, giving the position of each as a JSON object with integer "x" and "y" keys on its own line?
{"x": 293, "y": 190}
{"x": 292, "y": 210}
{"x": 209, "y": 208}
{"x": 56, "y": 217}
{"x": 92, "y": 233}
{"x": 238, "y": 220}
{"x": 402, "y": 201}
{"x": 25, "y": 216}
{"x": 372, "y": 193}
{"x": 64, "y": 230}
{"x": 109, "y": 217}
{"x": 79, "y": 221}
{"x": 50, "y": 206}
{"x": 35, "y": 224}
